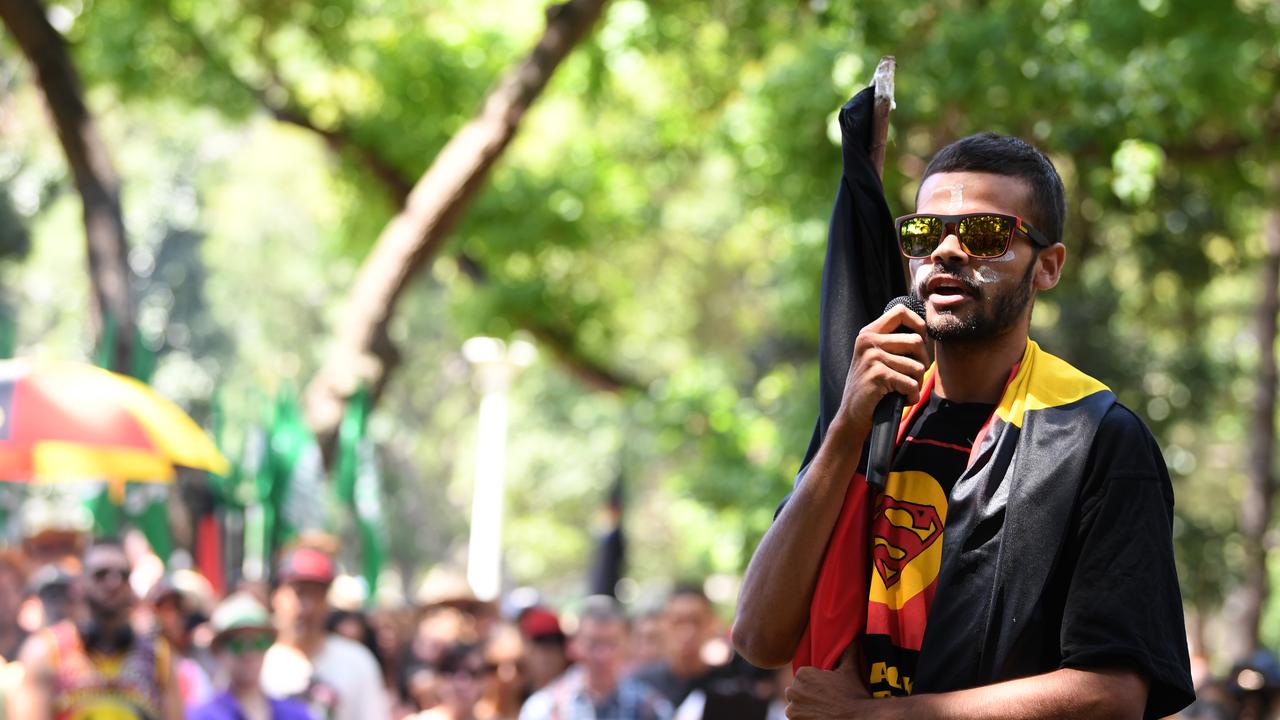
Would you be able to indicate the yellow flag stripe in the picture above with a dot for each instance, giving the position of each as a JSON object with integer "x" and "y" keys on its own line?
{"x": 1043, "y": 381}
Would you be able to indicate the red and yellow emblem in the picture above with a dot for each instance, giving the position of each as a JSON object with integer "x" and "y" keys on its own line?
{"x": 906, "y": 529}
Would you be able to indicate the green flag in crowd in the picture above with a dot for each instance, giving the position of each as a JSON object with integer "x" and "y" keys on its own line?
{"x": 358, "y": 484}
{"x": 297, "y": 498}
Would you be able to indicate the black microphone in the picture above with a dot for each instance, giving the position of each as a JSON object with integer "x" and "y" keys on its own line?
{"x": 888, "y": 414}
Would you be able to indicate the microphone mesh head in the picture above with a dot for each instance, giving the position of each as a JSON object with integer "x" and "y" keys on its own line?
{"x": 913, "y": 303}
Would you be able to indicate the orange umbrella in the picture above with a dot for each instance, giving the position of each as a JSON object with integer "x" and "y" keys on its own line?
{"x": 65, "y": 421}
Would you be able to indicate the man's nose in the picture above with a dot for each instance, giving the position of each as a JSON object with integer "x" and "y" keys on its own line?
{"x": 949, "y": 249}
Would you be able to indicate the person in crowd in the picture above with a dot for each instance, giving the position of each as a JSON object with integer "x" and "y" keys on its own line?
{"x": 13, "y": 581}
{"x": 391, "y": 630}
{"x": 51, "y": 596}
{"x": 440, "y": 628}
{"x": 12, "y": 634}
{"x": 504, "y": 652}
{"x": 647, "y": 640}
{"x": 464, "y": 675}
{"x": 174, "y": 621}
{"x": 595, "y": 688}
{"x": 546, "y": 648}
{"x": 242, "y": 633}
{"x": 689, "y": 622}
{"x": 338, "y": 678}
{"x": 355, "y": 625}
{"x": 100, "y": 667}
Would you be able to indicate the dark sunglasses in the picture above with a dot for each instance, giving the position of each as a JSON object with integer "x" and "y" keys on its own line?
{"x": 982, "y": 235}
{"x": 241, "y": 645}
{"x": 473, "y": 672}
{"x": 102, "y": 574}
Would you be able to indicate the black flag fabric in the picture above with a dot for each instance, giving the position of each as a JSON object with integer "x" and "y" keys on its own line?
{"x": 863, "y": 267}
{"x": 861, "y": 274}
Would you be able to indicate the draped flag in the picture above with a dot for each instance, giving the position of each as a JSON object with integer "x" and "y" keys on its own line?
{"x": 862, "y": 272}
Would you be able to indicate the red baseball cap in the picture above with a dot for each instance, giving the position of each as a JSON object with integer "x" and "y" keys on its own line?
{"x": 539, "y": 622}
{"x": 306, "y": 564}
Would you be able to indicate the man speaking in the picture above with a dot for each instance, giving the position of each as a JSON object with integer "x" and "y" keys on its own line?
{"x": 1018, "y": 561}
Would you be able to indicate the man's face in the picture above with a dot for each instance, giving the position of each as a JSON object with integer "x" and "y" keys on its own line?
{"x": 969, "y": 299}
{"x": 302, "y": 606}
{"x": 600, "y": 646}
{"x": 688, "y": 621}
{"x": 242, "y": 654}
{"x": 10, "y": 594}
{"x": 647, "y": 640}
{"x": 106, "y": 583}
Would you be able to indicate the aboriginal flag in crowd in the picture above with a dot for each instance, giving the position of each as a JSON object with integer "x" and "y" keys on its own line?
{"x": 861, "y": 274}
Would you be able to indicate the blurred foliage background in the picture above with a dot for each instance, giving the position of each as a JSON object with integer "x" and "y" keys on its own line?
{"x": 662, "y": 216}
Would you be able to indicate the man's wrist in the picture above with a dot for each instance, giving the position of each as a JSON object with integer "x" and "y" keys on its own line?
{"x": 847, "y": 429}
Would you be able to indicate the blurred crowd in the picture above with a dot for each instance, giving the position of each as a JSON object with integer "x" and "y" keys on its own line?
{"x": 98, "y": 629}
{"x": 101, "y": 633}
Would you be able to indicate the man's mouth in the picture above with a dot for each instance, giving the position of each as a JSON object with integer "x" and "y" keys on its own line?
{"x": 948, "y": 289}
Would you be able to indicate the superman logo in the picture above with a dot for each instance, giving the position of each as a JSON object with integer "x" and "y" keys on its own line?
{"x": 902, "y": 531}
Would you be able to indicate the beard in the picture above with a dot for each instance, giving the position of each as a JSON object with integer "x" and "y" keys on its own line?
{"x": 984, "y": 323}
{"x": 107, "y": 609}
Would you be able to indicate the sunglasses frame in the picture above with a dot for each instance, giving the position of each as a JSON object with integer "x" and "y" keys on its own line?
{"x": 951, "y": 226}
{"x": 247, "y": 643}
{"x": 100, "y": 575}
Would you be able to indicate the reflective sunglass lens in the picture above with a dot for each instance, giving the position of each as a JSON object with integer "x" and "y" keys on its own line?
{"x": 985, "y": 235}
{"x": 919, "y": 236}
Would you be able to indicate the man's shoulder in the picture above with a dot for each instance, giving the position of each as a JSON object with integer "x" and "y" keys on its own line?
{"x": 646, "y": 694}
{"x": 1123, "y": 438}
{"x": 339, "y": 650}
{"x": 542, "y": 702}
{"x": 655, "y": 673}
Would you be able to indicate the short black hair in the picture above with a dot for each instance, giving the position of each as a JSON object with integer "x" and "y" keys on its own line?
{"x": 689, "y": 588}
{"x": 989, "y": 152}
{"x": 602, "y": 608}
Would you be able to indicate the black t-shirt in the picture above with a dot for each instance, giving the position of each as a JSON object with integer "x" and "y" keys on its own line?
{"x": 907, "y": 527}
{"x": 1112, "y": 599}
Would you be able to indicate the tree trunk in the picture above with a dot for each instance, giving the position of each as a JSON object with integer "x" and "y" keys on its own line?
{"x": 363, "y": 352}
{"x": 95, "y": 177}
{"x": 1255, "y": 513}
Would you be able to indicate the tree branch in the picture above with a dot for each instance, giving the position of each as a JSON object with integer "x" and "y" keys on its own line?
{"x": 415, "y": 236}
{"x": 95, "y": 176}
{"x": 342, "y": 140}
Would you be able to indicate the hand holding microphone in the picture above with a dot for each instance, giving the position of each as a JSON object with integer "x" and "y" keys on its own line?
{"x": 889, "y": 361}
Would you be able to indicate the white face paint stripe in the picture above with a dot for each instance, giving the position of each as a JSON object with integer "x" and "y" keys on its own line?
{"x": 985, "y": 275}
{"x": 1006, "y": 257}
{"x": 957, "y": 198}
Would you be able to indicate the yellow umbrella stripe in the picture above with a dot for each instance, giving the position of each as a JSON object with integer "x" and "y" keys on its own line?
{"x": 53, "y": 460}
{"x": 169, "y": 428}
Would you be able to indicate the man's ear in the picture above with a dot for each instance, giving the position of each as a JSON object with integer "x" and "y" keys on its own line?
{"x": 1049, "y": 266}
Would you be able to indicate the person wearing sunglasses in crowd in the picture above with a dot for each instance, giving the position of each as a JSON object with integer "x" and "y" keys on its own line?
{"x": 1021, "y": 557}
{"x": 464, "y": 677}
{"x": 99, "y": 666}
{"x": 242, "y": 634}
